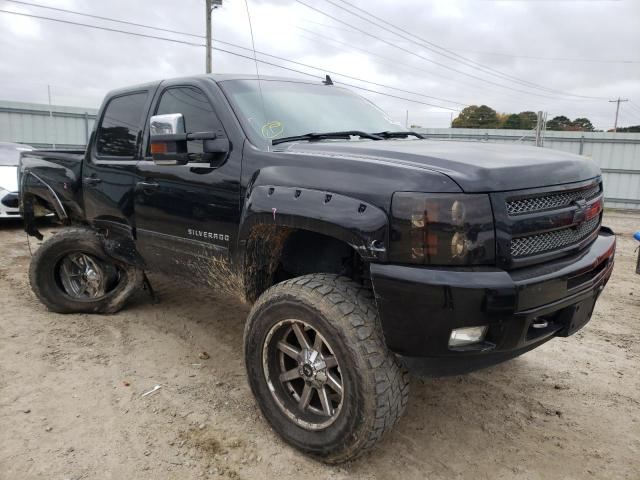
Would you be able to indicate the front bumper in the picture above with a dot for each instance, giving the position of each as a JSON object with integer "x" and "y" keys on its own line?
{"x": 9, "y": 204}
{"x": 420, "y": 306}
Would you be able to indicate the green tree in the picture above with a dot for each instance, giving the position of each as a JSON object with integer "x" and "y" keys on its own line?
{"x": 631, "y": 129}
{"x": 528, "y": 120}
{"x": 475, "y": 116}
{"x": 502, "y": 119}
{"x": 559, "y": 123}
{"x": 513, "y": 122}
{"x": 583, "y": 124}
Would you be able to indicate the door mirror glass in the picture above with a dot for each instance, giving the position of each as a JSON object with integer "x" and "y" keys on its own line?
{"x": 168, "y": 139}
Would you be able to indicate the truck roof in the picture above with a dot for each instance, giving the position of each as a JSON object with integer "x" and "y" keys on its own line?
{"x": 216, "y": 77}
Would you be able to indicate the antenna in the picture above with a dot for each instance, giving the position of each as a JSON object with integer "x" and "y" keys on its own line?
{"x": 255, "y": 60}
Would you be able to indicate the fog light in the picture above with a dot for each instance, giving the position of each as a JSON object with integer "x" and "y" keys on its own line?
{"x": 466, "y": 336}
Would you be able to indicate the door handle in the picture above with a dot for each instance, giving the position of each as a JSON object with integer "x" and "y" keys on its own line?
{"x": 147, "y": 186}
{"x": 92, "y": 181}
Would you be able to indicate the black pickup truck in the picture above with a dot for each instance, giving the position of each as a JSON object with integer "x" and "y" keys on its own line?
{"x": 367, "y": 251}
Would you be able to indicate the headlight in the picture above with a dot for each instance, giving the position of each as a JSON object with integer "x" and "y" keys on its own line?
{"x": 442, "y": 229}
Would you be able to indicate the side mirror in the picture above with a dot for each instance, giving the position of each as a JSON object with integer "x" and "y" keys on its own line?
{"x": 168, "y": 139}
{"x": 169, "y": 142}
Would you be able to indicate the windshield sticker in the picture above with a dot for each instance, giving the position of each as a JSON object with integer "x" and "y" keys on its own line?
{"x": 272, "y": 129}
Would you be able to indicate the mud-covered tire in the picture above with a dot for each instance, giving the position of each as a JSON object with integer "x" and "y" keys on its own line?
{"x": 375, "y": 385}
{"x": 46, "y": 284}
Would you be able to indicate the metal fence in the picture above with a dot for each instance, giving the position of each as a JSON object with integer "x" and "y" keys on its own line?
{"x": 617, "y": 154}
{"x": 45, "y": 127}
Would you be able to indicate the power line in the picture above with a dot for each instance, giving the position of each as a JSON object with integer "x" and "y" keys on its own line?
{"x": 430, "y": 46}
{"x": 630, "y": 114}
{"x": 57, "y": 9}
{"x": 625, "y": 118}
{"x": 346, "y": 76}
{"x": 97, "y": 27}
{"x": 272, "y": 56}
{"x": 395, "y": 63}
{"x": 635, "y": 107}
{"x": 262, "y": 53}
{"x": 501, "y": 54}
{"x": 241, "y": 47}
{"x": 551, "y": 59}
{"x": 458, "y": 58}
{"x": 497, "y": 54}
{"x": 183, "y": 42}
{"x": 364, "y": 32}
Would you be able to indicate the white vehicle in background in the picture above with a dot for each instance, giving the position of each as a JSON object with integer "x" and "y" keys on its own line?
{"x": 9, "y": 158}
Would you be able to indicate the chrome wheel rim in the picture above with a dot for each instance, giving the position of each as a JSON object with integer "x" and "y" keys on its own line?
{"x": 83, "y": 276}
{"x": 303, "y": 374}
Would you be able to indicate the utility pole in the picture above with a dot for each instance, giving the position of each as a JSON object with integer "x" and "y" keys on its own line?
{"x": 208, "y": 17}
{"x": 615, "y": 125}
{"x": 539, "y": 130}
{"x": 406, "y": 120}
{"x": 210, "y": 5}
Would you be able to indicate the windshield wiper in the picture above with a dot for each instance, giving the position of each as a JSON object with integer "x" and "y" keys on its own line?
{"x": 328, "y": 135}
{"x": 399, "y": 134}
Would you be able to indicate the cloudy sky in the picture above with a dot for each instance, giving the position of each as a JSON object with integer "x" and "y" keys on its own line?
{"x": 565, "y": 57}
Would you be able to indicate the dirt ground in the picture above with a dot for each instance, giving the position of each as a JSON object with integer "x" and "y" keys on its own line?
{"x": 71, "y": 385}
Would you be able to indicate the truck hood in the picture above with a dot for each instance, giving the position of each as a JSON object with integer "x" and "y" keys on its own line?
{"x": 9, "y": 178}
{"x": 474, "y": 166}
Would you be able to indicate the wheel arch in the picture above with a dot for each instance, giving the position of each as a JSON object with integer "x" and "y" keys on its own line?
{"x": 282, "y": 224}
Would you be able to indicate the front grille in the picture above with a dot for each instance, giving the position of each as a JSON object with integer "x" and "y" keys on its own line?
{"x": 551, "y": 201}
{"x": 544, "y": 242}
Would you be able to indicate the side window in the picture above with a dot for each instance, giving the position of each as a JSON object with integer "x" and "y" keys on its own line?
{"x": 196, "y": 109}
{"x": 121, "y": 123}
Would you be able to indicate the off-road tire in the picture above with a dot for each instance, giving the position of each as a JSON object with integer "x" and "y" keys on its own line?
{"x": 376, "y": 384}
{"x": 46, "y": 286}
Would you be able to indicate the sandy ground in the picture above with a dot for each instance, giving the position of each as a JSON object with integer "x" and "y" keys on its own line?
{"x": 71, "y": 405}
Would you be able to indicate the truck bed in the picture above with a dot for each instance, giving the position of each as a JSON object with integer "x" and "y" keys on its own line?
{"x": 55, "y": 175}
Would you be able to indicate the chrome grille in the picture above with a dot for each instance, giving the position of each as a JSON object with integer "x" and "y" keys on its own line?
{"x": 543, "y": 242}
{"x": 550, "y": 201}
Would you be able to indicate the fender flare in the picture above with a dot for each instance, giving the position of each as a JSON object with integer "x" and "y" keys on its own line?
{"x": 41, "y": 189}
{"x": 361, "y": 225}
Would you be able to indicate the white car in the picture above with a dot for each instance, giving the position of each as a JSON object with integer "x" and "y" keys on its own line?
{"x": 9, "y": 158}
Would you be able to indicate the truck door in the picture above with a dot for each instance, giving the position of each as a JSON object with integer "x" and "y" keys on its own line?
{"x": 110, "y": 164}
{"x": 187, "y": 216}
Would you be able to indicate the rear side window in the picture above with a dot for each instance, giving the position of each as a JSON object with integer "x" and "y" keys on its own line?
{"x": 121, "y": 123}
{"x": 196, "y": 109}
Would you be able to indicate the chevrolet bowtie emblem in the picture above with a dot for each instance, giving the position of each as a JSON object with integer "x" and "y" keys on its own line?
{"x": 580, "y": 214}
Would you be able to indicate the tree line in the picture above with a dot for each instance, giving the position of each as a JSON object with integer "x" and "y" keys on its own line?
{"x": 482, "y": 116}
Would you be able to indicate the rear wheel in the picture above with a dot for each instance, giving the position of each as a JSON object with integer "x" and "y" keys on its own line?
{"x": 319, "y": 368}
{"x": 71, "y": 273}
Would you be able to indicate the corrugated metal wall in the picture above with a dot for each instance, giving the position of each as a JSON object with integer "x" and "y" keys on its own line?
{"x": 617, "y": 154}
{"x": 31, "y": 123}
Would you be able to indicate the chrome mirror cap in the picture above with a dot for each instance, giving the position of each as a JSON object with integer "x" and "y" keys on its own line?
{"x": 169, "y": 124}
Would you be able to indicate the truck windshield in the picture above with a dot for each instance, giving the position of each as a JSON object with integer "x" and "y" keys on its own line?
{"x": 288, "y": 109}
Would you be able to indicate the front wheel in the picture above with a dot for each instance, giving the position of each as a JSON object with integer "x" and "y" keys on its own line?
{"x": 319, "y": 369}
{"x": 71, "y": 273}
